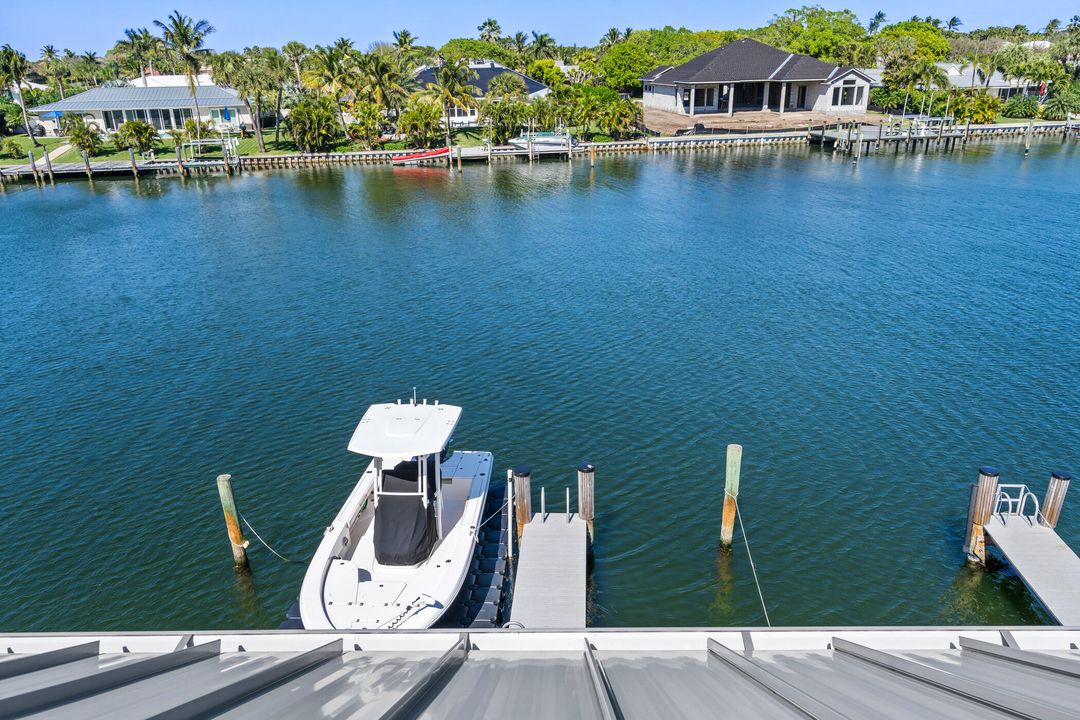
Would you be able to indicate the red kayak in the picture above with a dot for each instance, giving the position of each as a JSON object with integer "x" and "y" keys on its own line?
{"x": 418, "y": 157}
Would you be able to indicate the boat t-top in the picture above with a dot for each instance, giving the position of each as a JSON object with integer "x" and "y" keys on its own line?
{"x": 399, "y": 549}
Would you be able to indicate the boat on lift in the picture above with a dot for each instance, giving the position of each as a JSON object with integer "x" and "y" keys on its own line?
{"x": 399, "y": 549}
{"x": 544, "y": 141}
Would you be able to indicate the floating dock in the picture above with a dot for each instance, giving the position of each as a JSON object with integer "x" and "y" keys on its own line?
{"x": 549, "y": 590}
{"x": 1010, "y": 517}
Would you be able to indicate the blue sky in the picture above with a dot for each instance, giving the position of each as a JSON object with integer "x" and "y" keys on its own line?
{"x": 96, "y": 26}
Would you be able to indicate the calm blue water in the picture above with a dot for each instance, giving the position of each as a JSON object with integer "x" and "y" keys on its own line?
{"x": 870, "y": 335}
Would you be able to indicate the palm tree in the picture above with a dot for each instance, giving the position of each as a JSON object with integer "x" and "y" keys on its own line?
{"x": 344, "y": 45}
{"x": 1052, "y": 28}
{"x": 1074, "y": 23}
{"x": 13, "y": 71}
{"x": 519, "y": 43}
{"x": 89, "y": 62}
{"x": 331, "y": 72}
{"x": 982, "y": 64}
{"x": 542, "y": 46}
{"x": 138, "y": 47}
{"x": 953, "y": 24}
{"x": 876, "y": 22}
{"x": 276, "y": 68}
{"x": 296, "y": 52}
{"x": 452, "y": 89}
{"x": 53, "y": 67}
{"x": 185, "y": 41}
{"x": 383, "y": 81}
{"x": 611, "y": 37}
{"x": 404, "y": 40}
{"x": 489, "y": 30}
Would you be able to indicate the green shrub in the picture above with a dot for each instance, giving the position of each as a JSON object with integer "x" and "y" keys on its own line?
{"x": 1019, "y": 106}
{"x": 83, "y": 136}
{"x": 136, "y": 134}
{"x": 13, "y": 149}
{"x": 1061, "y": 105}
{"x": 313, "y": 124}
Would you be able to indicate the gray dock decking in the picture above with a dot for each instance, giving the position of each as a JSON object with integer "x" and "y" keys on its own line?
{"x": 1049, "y": 567}
{"x": 549, "y": 591}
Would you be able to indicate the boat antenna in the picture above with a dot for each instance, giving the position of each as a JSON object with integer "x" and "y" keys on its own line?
{"x": 414, "y": 395}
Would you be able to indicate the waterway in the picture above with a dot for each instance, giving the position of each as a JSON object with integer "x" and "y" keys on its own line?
{"x": 869, "y": 334}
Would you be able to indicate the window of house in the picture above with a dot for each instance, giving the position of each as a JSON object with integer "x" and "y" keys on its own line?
{"x": 848, "y": 94}
{"x": 836, "y": 96}
{"x": 686, "y": 96}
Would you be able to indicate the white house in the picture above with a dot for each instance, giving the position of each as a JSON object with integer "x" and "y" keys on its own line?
{"x": 749, "y": 75}
{"x": 486, "y": 71}
{"x": 106, "y": 108}
{"x": 966, "y": 77}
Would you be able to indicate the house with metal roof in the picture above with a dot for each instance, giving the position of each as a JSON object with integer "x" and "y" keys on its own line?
{"x": 106, "y": 108}
{"x": 486, "y": 71}
{"x": 749, "y": 75}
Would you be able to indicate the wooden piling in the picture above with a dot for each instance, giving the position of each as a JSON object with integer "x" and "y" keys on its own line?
{"x": 980, "y": 511}
{"x": 1055, "y": 497}
{"x": 48, "y": 167}
{"x": 134, "y": 166}
{"x": 33, "y": 165}
{"x": 586, "y": 488}
{"x": 459, "y": 158}
{"x": 232, "y": 522}
{"x": 1027, "y": 138}
{"x": 522, "y": 497}
{"x": 592, "y": 156}
{"x": 86, "y": 164}
{"x": 731, "y": 494}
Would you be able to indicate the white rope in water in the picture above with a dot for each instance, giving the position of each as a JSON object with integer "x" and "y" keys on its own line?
{"x": 265, "y": 544}
{"x": 753, "y": 569}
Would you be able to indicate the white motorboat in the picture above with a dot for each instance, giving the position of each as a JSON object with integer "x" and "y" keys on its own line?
{"x": 545, "y": 140}
{"x": 399, "y": 549}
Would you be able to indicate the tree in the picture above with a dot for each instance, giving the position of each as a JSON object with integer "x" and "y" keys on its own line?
{"x": 83, "y": 136}
{"x": 1052, "y": 28}
{"x": 489, "y": 31}
{"x": 507, "y": 86}
{"x": 953, "y": 24}
{"x": 1060, "y": 105}
{"x": 138, "y": 47}
{"x": 469, "y": 48}
{"x": 404, "y": 40}
{"x": 13, "y": 71}
{"x": 331, "y": 72}
{"x": 977, "y": 107}
{"x": 930, "y": 42}
{"x": 544, "y": 71}
{"x": 452, "y": 89}
{"x": 619, "y": 118}
{"x": 421, "y": 121}
{"x": 136, "y": 134}
{"x": 814, "y": 31}
{"x": 53, "y": 67}
{"x": 185, "y": 41}
{"x": 296, "y": 52}
{"x": 875, "y": 22}
{"x": 542, "y": 46}
{"x": 611, "y": 37}
{"x": 383, "y": 81}
{"x": 366, "y": 125}
{"x": 276, "y": 67}
{"x": 624, "y": 64}
{"x": 503, "y": 115}
{"x": 313, "y": 123}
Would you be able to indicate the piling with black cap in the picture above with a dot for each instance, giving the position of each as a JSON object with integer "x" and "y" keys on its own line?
{"x": 1055, "y": 497}
{"x": 981, "y": 508}
{"x": 522, "y": 496}
{"x": 586, "y": 488}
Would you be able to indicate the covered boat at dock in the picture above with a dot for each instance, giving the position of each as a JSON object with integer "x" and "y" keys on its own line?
{"x": 398, "y": 551}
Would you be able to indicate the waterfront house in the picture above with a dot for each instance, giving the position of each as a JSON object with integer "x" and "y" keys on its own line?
{"x": 106, "y": 108}
{"x": 749, "y": 75}
{"x": 486, "y": 71}
{"x": 966, "y": 77}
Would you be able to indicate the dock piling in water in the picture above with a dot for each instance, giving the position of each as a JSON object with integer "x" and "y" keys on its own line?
{"x": 522, "y": 477}
{"x": 134, "y": 165}
{"x": 586, "y": 478}
{"x": 232, "y": 522}
{"x": 86, "y": 164}
{"x": 1055, "y": 497}
{"x": 731, "y": 494}
{"x": 979, "y": 513}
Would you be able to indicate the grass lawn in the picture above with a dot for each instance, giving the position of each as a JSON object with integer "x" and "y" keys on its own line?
{"x": 469, "y": 137}
{"x": 24, "y": 143}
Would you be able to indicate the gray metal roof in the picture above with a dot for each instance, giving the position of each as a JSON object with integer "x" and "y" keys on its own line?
{"x": 975, "y": 673}
{"x": 484, "y": 76}
{"x": 143, "y": 98}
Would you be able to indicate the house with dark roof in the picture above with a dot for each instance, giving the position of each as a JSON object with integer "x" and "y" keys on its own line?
{"x": 106, "y": 108}
{"x": 486, "y": 71}
{"x": 749, "y": 75}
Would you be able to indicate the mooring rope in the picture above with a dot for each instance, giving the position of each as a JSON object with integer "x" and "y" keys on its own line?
{"x": 753, "y": 568}
{"x": 485, "y": 522}
{"x": 266, "y": 544}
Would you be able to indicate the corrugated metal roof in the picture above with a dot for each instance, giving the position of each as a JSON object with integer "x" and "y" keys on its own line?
{"x": 143, "y": 98}
{"x": 484, "y": 76}
{"x": 830, "y": 674}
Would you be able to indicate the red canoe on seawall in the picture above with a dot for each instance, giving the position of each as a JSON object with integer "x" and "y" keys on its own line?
{"x": 416, "y": 157}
